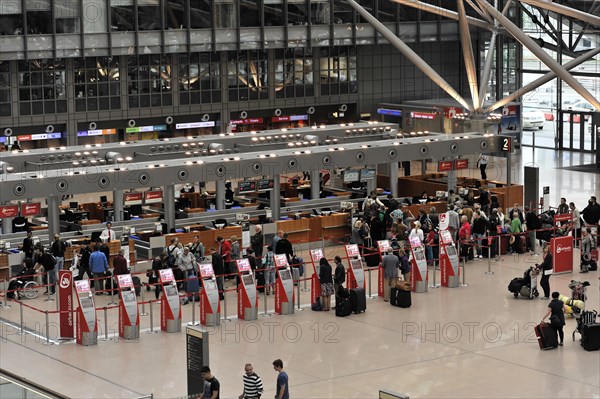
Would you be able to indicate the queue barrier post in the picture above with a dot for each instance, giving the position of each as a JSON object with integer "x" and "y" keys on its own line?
{"x": 151, "y": 319}
{"x": 464, "y": 284}
{"x": 298, "y": 294}
{"x": 105, "y": 325}
{"x": 489, "y": 262}
{"x": 265, "y": 296}
{"x": 193, "y": 322}
{"x": 143, "y": 312}
{"x": 112, "y": 292}
{"x": 6, "y": 304}
{"x": 21, "y": 318}
{"x": 47, "y": 341}
{"x": 434, "y": 284}
{"x": 224, "y": 304}
{"x": 48, "y": 295}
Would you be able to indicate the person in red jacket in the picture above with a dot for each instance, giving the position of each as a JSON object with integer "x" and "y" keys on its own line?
{"x": 464, "y": 234}
{"x": 224, "y": 250}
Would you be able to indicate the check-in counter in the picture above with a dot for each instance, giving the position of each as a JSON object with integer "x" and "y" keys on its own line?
{"x": 297, "y": 230}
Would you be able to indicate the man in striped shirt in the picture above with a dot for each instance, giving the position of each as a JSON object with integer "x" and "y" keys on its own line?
{"x": 253, "y": 388}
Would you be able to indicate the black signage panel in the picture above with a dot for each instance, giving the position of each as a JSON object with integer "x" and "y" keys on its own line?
{"x": 265, "y": 184}
{"x": 247, "y": 186}
{"x": 197, "y": 357}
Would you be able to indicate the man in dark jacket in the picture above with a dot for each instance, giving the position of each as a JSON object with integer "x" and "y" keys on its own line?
{"x": 28, "y": 245}
{"x": 84, "y": 262}
{"x": 434, "y": 217}
{"x": 533, "y": 223}
{"x": 339, "y": 276}
{"x": 257, "y": 241}
{"x": 284, "y": 246}
{"x": 591, "y": 213}
{"x": 45, "y": 260}
{"x": 219, "y": 269}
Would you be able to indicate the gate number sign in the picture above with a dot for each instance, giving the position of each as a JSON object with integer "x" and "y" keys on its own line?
{"x": 506, "y": 144}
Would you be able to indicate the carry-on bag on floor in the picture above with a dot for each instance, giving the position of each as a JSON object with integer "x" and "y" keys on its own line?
{"x": 546, "y": 335}
{"x": 590, "y": 337}
{"x": 400, "y": 298}
{"x": 358, "y": 300}
{"x": 193, "y": 288}
{"x": 515, "y": 285}
{"x": 343, "y": 308}
{"x": 137, "y": 284}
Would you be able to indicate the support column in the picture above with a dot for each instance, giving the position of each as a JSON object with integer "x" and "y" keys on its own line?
{"x": 509, "y": 167}
{"x": 372, "y": 184}
{"x": 118, "y": 205}
{"x": 7, "y": 225}
{"x": 169, "y": 206}
{"x": 315, "y": 181}
{"x": 394, "y": 179}
{"x": 53, "y": 202}
{"x": 276, "y": 198}
{"x": 452, "y": 180}
{"x": 424, "y": 167}
{"x": 220, "y": 197}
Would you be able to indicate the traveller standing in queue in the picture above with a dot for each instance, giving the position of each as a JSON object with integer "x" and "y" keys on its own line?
{"x": 28, "y": 245}
{"x": 44, "y": 260}
{"x": 257, "y": 241}
{"x": 326, "y": 280}
{"x": 57, "y": 249}
{"x": 212, "y": 387}
{"x": 390, "y": 265}
{"x": 253, "y": 387}
{"x": 98, "y": 266}
{"x": 339, "y": 277}
{"x": 219, "y": 269}
{"x": 546, "y": 270}
{"x": 282, "y": 390}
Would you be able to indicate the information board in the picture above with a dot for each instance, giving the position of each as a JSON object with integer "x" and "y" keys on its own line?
{"x": 197, "y": 357}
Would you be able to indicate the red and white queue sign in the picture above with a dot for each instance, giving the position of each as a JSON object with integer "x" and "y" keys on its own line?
{"x": 382, "y": 246}
{"x": 284, "y": 290}
{"x": 247, "y": 297}
{"x": 9, "y": 211}
{"x": 563, "y": 217}
{"x": 87, "y": 327}
{"x": 31, "y": 209}
{"x": 170, "y": 306}
{"x": 449, "y": 264}
{"x": 561, "y": 249}
{"x": 418, "y": 275}
{"x": 315, "y": 283}
{"x": 129, "y": 318}
{"x": 356, "y": 274}
{"x": 65, "y": 300}
{"x": 210, "y": 305}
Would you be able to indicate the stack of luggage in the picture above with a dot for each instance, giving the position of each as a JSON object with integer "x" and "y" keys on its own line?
{"x": 525, "y": 286}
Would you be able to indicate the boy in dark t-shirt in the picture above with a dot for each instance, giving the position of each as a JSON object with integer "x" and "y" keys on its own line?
{"x": 214, "y": 387}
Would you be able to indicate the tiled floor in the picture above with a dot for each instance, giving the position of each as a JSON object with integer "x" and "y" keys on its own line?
{"x": 468, "y": 342}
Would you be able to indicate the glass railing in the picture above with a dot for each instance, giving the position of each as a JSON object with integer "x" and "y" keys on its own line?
{"x": 13, "y": 387}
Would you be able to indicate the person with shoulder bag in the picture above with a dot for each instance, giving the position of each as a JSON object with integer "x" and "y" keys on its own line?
{"x": 556, "y": 311}
{"x": 546, "y": 271}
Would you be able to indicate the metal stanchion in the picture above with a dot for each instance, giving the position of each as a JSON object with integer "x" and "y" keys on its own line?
{"x": 193, "y": 322}
{"x": 489, "y": 270}
{"x": 464, "y": 284}
{"x": 112, "y": 292}
{"x": 47, "y": 341}
{"x": 265, "y": 296}
{"x": 298, "y": 294}
{"x": 305, "y": 289}
{"x": 498, "y": 255}
{"x": 224, "y": 305}
{"x": 143, "y": 313}
{"x": 105, "y": 325}
{"x": 151, "y": 320}
{"x": 369, "y": 273}
{"x": 21, "y": 318}
{"x": 6, "y": 305}
{"x": 48, "y": 299}
{"x": 434, "y": 285}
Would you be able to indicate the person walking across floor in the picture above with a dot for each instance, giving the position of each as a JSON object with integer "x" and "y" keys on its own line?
{"x": 326, "y": 280}
{"x": 212, "y": 387}
{"x": 253, "y": 387}
{"x": 390, "y": 264}
{"x": 556, "y": 311}
{"x": 546, "y": 271}
{"x": 282, "y": 389}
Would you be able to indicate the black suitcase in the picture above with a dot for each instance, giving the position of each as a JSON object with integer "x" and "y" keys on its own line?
{"x": 137, "y": 284}
{"x": 372, "y": 259}
{"x": 590, "y": 337}
{"x": 547, "y": 336}
{"x": 343, "y": 308}
{"x": 515, "y": 285}
{"x": 260, "y": 282}
{"x": 400, "y": 298}
{"x": 358, "y": 300}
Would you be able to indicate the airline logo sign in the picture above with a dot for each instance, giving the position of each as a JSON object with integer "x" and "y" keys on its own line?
{"x": 563, "y": 217}
{"x": 509, "y": 110}
{"x": 444, "y": 221}
{"x": 423, "y": 115}
{"x": 461, "y": 164}
{"x": 445, "y": 166}
{"x": 153, "y": 197}
{"x": 31, "y": 209}
{"x": 9, "y": 211}
{"x": 562, "y": 254}
{"x": 65, "y": 298}
{"x": 132, "y": 199}
{"x": 560, "y": 248}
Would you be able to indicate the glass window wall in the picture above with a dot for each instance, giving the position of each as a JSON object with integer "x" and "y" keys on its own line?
{"x": 39, "y": 17}
{"x": 386, "y": 11}
{"x": 250, "y": 13}
{"x": 97, "y": 86}
{"x": 199, "y": 78}
{"x": 225, "y": 14}
{"x": 11, "y": 18}
{"x": 175, "y": 14}
{"x": 149, "y": 81}
{"x": 42, "y": 88}
{"x": 66, "y": 16}
{"x": 247, "y": 75}
{"x": 297, "y": 12}
{"x": 342, "y": 12}
{"x": 149, "y": 15}
{"x": 320, "y": 12}
{"x": 122, "y": 15}
{"x": 201, "y": 14}
{"x": 4, "y": 89}
{"x": 338, "y": 71}
{"x": 294, "y": 73}
{"x": 274, "y": 12}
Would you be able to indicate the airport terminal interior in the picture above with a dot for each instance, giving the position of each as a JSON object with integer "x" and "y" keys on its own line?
{"x": 130, "y": 124}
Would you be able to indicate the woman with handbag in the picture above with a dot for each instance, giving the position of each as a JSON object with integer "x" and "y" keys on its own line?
{"x": 556, "y": 311}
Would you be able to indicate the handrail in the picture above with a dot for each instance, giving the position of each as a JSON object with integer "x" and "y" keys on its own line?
{"x": 29, "y": 385}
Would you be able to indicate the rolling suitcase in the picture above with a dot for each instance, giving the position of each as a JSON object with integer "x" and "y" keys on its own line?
{"x": 358, "y": 300}
{"x": 400, "y": 298}
{"x": 590, "y": 337}
{"x": 193, "y": 288}
{"x": 547, "y": 336}
{"x": 137, "y": 284}
{"x": 343, "y": 308}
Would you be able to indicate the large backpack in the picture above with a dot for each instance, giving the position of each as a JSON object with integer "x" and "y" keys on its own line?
{"x": 171, "y": 260}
